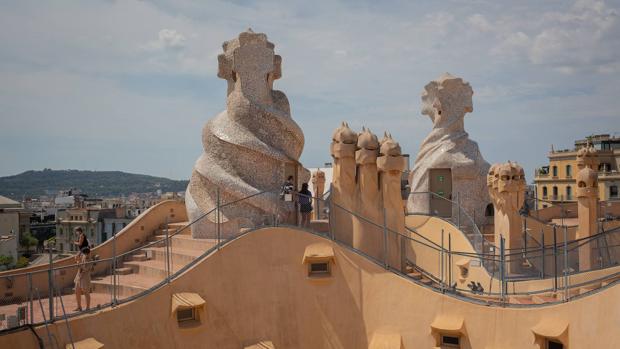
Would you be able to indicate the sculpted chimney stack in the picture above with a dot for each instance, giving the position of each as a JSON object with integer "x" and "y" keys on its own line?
{"x": 342, "y": 148}
{"x": 391, "y": 164}
{"x": 318, "y": 183}
{"x": 587, "y": 211}
{"x": 507, "y": 189}
{"x": 368, "y": 237}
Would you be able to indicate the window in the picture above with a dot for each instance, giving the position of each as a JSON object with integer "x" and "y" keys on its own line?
{"x": 113, "y": 228}
{"x": 319, "y": 269}
{"x": 555, "y": 171}
{"x": 450, "y": 342}
{"x": 569, "y": 193}
{"x": 489, "y": 211}
{"x": 555, "y": 193}
{"x": 554, "y": 345}
{"x": 186, "y": 314}
{"x": 613, "y": 191}
{"x": 569, "y": 171}
{"x": 545, "y": 192}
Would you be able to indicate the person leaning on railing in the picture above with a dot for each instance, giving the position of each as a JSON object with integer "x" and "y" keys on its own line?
{"x": 82, "y": 278}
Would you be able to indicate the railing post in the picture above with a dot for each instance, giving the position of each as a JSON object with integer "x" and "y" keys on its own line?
{"x": 30, "y": 298}
{"x": 167, "y": 250}
{"x": 449, "y": 260}
{"x": 502, "y": 269}
{"x": 217, "y": 220}
{"x": 441, "y": 263}
{"x": 385, "y": 241}
{"x": 555, "y": 259}
{"x": 565, "y": 263}
{"x": 50, "y": 283}
{"x": 458, "y": 210}
{"x": 542, "y": 238}
{"x": 114, "y": 268}
{"x": 524, "y": 238}
{"x": 331, "y": 220}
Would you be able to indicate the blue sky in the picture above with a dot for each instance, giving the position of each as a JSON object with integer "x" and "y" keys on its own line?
{"x": 128, "y": 85}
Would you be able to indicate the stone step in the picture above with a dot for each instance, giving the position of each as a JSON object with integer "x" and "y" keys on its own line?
{"x": 611, "y": 280}
{"x": 127, "y": 285}
{"x": 590, "y": 288}
{"x": 521, "y": 300}
{"x": 415, "y": 275}
{"x": 174, "y": 226}
{"x": 122, "y": 291}
{"x": 137, "y": 256}
{"x": 177, "y": 255}
{"x": 123, "y": 271}
{"x": 545, "y": 298}
{"x": 426, "y": 281}
{"x": 185, "y": 242}
{"x": 151, "y": 268}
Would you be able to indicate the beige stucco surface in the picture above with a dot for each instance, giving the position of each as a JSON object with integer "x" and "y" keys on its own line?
{"x": 267, "y": 295}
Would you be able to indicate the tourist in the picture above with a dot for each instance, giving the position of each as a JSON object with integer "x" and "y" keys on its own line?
{"x": 304, "y": 198}
{"x": 81, "y": 242}
{"x": 82, "y": 278}
{"x": 286, "y": 195}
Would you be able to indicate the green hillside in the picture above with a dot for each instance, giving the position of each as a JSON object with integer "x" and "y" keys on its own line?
{"x": 92, "y": 183}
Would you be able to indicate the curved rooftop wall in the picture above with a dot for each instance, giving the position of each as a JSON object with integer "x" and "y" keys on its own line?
{"x": 257, "y": 289}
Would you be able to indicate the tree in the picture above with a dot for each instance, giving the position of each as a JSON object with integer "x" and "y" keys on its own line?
{"x": 26, "y": 241}
{"x": 6, "y": 261}
{"x": 22, "y": 262}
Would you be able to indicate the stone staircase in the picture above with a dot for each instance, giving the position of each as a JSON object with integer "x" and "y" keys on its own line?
{"x": 145, "y": 268}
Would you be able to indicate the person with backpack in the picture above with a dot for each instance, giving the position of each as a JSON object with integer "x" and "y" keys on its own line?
{"x": 82, "y": 241}
{"x": 304, "y": 199}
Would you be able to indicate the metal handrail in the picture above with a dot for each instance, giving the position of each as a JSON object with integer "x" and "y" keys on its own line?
{"x": 423, "y": 241}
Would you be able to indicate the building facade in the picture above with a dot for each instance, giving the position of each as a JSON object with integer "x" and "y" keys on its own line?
{"x": 556, "y": 182}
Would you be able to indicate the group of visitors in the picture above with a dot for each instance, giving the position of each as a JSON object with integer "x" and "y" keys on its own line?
{"x": 303, "y": 199}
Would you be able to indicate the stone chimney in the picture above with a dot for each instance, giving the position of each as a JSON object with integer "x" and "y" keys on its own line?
{"x": 366, "y": 181}
{"x": 587, "y": 211}
{"x": 507, "y": 190}
{"x": 318, "y": 184}
{"x": 368, "y": 237}
{"x": 391, "y": 164}
{"x": 342, "y": 148}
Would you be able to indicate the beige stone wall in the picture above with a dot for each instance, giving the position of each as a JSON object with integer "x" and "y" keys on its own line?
{"x": 266, "y": 295}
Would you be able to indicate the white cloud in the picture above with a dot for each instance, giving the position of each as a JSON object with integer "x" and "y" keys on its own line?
{"x": 479, "y": 22}
{"x": 512, "y": 45}
{"x": 166, "y": 39}
{"x": 584, "y": 36}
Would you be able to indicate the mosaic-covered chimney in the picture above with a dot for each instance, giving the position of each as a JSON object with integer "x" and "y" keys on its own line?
{"x": 251, "y": 147}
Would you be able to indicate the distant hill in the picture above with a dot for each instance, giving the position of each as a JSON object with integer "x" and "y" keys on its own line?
{"x": 92, "y": 183}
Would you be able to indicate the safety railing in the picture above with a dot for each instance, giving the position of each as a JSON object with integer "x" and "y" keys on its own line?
{"x": 455, "y": 213}
{"x": 430, "y": 262}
